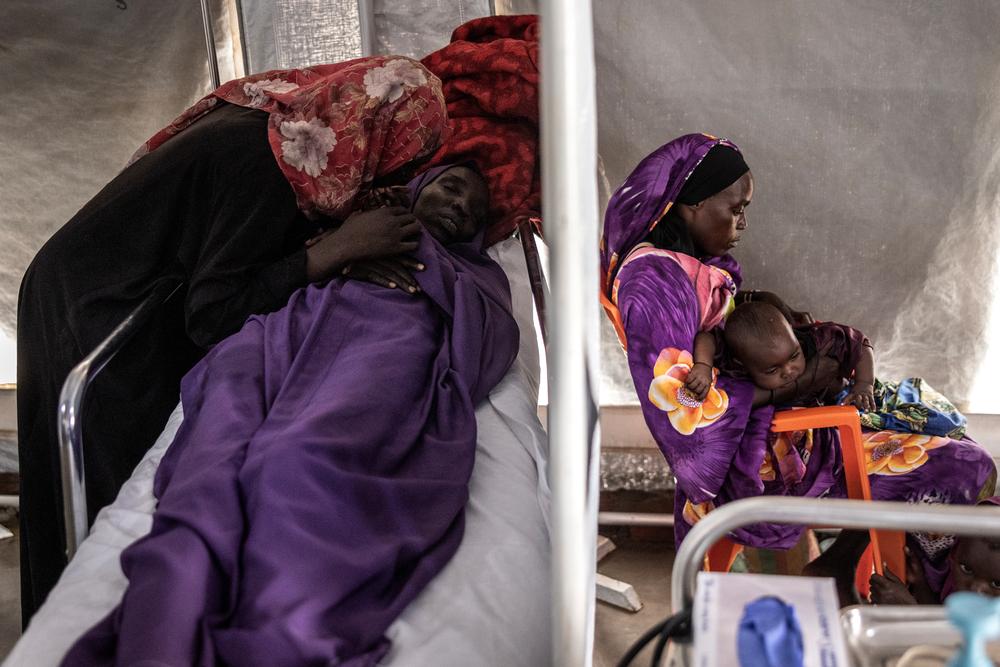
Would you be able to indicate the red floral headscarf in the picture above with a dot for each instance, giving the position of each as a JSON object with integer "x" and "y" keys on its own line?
{"x": 490, "y": 75}
{"x": 336, "y": 128}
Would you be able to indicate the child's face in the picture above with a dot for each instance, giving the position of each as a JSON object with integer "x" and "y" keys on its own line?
{"x": 976, "y": 566}
{"x": 453, "y": 207}
{"x": 775, "y": 363}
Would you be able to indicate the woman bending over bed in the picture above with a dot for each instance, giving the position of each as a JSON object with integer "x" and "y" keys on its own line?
{"x": 319, "y": 478}
{"x": 220, "y": 201}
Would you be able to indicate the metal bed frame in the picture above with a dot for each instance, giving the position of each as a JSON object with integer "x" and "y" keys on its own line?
{"x": 856, "y": 514}
{"x": 569, "y": 187}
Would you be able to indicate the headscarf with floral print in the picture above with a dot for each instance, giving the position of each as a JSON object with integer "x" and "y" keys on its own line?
{"x": 334, "y": 129}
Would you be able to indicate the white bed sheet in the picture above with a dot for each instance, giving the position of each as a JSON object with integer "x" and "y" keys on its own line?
{"x": 489, "y": 606}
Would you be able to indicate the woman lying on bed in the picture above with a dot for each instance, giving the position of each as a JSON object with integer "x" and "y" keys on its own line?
{"x": 318, "y": 480}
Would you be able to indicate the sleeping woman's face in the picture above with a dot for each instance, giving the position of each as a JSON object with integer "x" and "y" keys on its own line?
{"x": 454, "y": 206}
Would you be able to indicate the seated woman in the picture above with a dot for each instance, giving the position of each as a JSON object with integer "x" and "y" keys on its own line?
{"x": 319, "y": 478}
{"x": 665, "y": 258}
{"x": 221, "y": 202}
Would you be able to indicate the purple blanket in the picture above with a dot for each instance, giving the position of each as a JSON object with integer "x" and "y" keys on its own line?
{"x": 319, "y": 478}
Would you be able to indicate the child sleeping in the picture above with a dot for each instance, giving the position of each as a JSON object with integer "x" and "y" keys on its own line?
{"x": 761, "y": 345}
{"x": 962, "y": 564}
{"x": 319, "y": 478}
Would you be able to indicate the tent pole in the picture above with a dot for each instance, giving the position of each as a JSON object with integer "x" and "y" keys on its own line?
{"x": 366, "y": 21}
{"x": 213, "y": 58}
{"x": 241, "y": 27}
{"x": 569, "y": 205}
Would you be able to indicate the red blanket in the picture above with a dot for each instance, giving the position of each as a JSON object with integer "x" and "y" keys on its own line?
{"x": 489, "y": 73}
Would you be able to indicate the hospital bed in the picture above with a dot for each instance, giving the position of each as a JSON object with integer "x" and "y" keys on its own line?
{"x": 489, "y": 606}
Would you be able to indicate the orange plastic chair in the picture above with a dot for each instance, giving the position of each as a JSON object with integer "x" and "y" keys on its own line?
{"x": 886, "y": 546}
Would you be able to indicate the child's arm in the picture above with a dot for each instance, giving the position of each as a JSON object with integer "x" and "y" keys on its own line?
{"x": 862, "y": 394}
{"x": 699, "y": 379}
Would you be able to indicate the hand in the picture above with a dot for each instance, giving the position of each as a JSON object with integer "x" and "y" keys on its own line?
{"x": 393, "y": 195}
{"x": 699, "y": 381}
{"x": 861, "y": 396}
{"x": 319, "y": 237}
{"x": 391, "y": 272}
{"x": 373, "y": 234}
{"x": 889, "y": 589}
{"x": 801, "y": 317}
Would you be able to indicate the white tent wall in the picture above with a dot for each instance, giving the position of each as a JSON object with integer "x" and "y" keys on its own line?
{"x": 872, "y": 132}
{"x": 297, "y": 33}
{"x": 85, "y": 83}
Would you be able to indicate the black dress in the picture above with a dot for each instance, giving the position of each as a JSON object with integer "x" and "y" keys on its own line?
{"x": 209, "y": 208}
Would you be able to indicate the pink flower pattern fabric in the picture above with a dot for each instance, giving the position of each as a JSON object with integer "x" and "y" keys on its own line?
{"x": 334, "y": 129}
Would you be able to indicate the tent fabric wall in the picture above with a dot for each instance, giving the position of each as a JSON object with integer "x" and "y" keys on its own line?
{"x": 297, "y": 33}
{"x": 873, "y": 131}
{"x": 417, "y": 27}
{"x": 85, "y": 83}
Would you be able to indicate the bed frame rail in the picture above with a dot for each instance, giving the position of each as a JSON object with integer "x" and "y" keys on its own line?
{"x": 856, "y": 514}
{"x": 74, "y": 389}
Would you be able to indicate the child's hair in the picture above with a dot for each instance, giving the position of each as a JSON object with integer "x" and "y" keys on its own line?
{"x": 751, "y": 324}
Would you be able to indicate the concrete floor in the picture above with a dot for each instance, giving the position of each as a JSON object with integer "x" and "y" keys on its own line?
{"x": 645, "y": 565}
{"x": 10, "y": 586}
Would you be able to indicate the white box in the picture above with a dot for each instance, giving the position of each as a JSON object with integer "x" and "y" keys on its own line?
{"x": 718, "y": 608}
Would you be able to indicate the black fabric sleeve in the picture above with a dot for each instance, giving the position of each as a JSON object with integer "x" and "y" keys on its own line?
{"x": 217, "y": 305}
{"x": 248, "y": 260}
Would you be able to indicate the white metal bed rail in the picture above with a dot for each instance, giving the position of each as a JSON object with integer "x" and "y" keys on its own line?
{"x": 74, "y": 389}
{"x": 859, "y": 514}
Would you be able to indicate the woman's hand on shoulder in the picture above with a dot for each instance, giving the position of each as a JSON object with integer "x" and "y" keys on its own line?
{"x": 366, "y": 235}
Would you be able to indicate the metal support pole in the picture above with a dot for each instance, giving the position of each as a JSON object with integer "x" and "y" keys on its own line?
{"x": 213, "y": 58}
{"x": 569, "y": 209}
{"x": 858, "y": 514}
{"x": 635, "y": 519}
{"x": 242, "y": 29}
{"x": 366, "y": 22}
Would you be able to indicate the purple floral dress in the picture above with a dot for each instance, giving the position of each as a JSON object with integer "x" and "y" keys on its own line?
{"x": 722, "y": 449}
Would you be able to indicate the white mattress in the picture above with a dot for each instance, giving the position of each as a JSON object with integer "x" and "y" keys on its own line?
{"x": 489, "y": 606}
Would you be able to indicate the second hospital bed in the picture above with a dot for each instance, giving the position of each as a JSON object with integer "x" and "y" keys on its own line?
{"x": 489, "y": 606}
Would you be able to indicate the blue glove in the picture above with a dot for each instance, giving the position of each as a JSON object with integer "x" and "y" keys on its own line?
{"x": 769, "y": 635}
